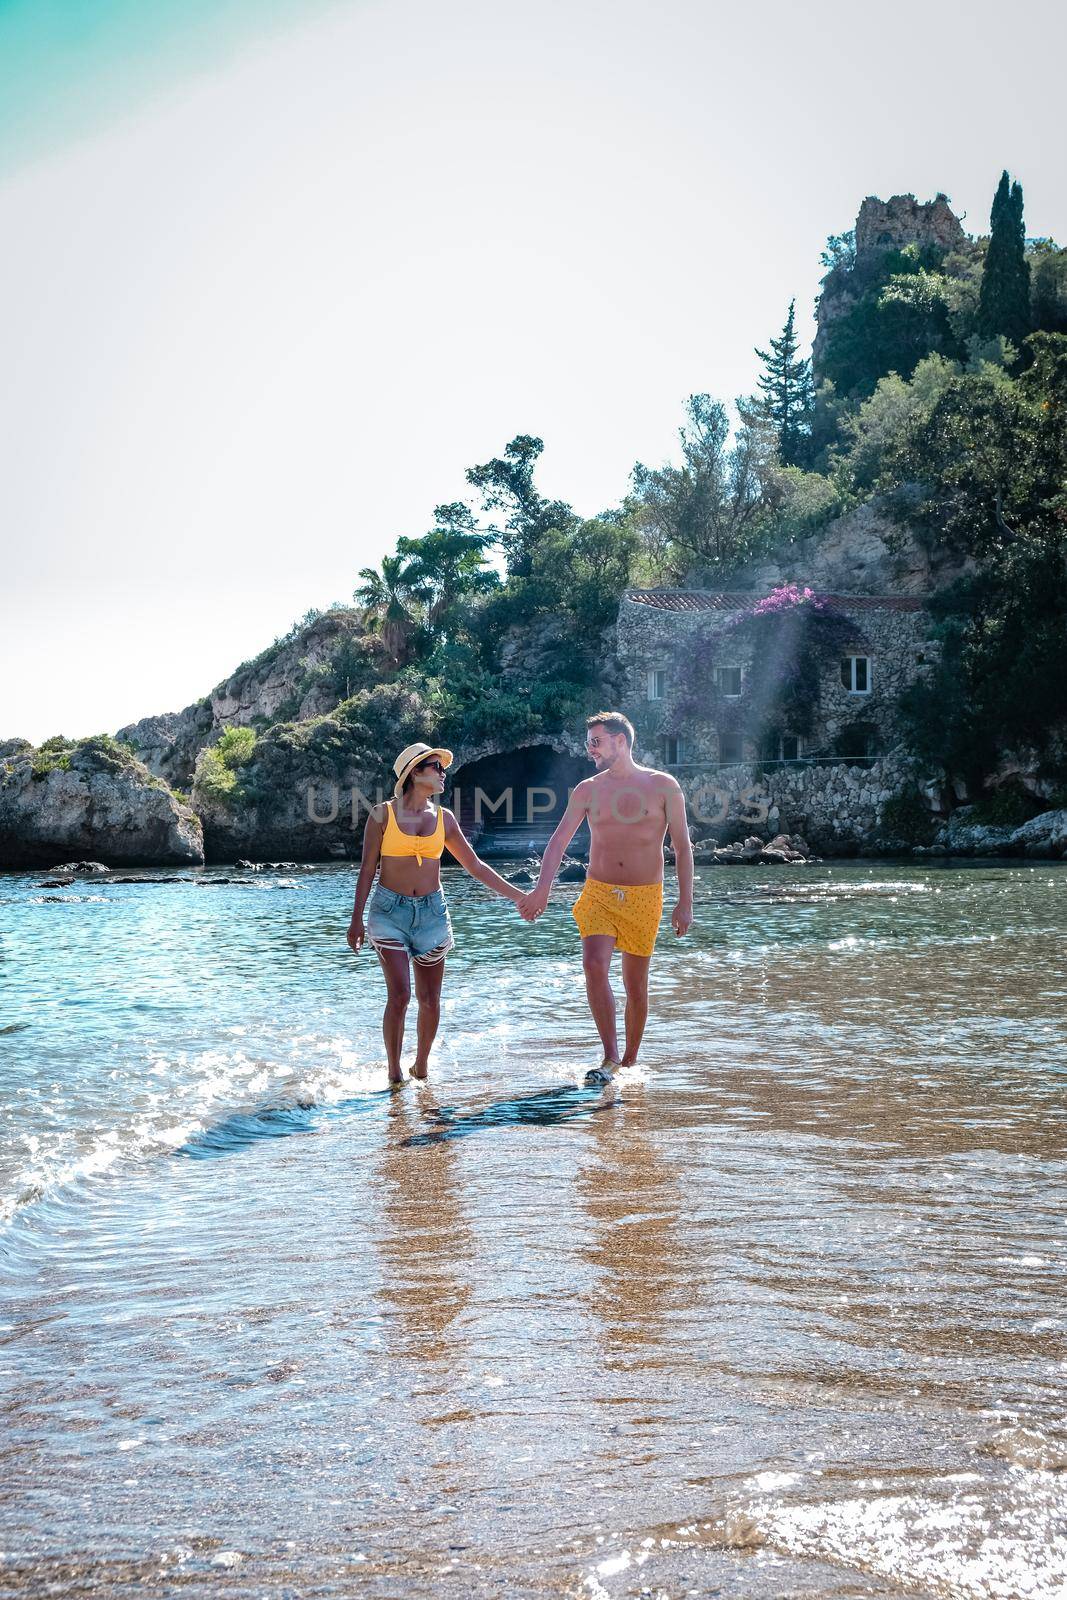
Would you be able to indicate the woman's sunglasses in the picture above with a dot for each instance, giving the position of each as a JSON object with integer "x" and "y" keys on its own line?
{"x": 435, "y": 765}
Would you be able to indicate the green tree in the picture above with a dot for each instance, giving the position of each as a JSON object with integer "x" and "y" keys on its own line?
{"x": 991, "y": 459}
{"x": 889, "y": 416}
{"x": 786, "y": 392}
{"x": 839, "y": 251}
{"x": 1004, "y": 301}
{"x": 448, "y": 564}
{"x": 218, "y": 766}
{"x": 506, "y": 485}
{"x": 991, "y": 455}
{"x": 1048, "y": 286}
{"x": 701, "y": 516}
{"x": 902, "y": 315}
{"x": 389, "y": 600}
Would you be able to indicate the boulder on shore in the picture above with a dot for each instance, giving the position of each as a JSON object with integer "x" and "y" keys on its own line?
{"x": 783, "y": 850}
{"x": 93, "y": 799}
{"x": 1043, "y": 838}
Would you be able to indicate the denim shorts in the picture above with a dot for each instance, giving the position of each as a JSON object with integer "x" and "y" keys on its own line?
{"x": 417, "y": 923}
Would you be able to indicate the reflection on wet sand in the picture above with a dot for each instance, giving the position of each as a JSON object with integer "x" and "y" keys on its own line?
{"x": 423, "y": 1235}
{"x": 643, "y": 1271}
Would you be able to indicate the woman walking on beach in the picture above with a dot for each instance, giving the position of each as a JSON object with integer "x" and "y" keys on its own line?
{"x": 407, "y": 919}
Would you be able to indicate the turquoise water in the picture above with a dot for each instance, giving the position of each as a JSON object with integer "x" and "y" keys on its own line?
{"x": 785, "y": 1316}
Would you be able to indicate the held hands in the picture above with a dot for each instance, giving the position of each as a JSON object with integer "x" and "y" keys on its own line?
{"x": 682, "y": 918}
{"x": 356, "y": 934}
{"x": 531, "y": 905}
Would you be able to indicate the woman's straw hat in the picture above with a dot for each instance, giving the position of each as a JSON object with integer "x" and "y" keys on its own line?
{"x": 414, "y": 756}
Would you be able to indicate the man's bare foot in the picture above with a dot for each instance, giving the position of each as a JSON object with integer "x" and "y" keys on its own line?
{"x": 420, "y": 1069}
{"x": 396, "y": 1079}
{"x": 628, "y": 1061}
{"x": 604, "y": 1073}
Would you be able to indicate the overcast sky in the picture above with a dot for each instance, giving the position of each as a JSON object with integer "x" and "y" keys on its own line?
{"x": 274, "y": 273}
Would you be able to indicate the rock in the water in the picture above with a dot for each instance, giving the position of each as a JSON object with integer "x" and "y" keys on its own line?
{"x": 82, "y": 869}
{"x": 572, "y": 872}
{"x": 752, "y": 852}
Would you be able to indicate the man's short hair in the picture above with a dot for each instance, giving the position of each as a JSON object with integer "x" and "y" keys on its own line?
{"x": 615, "y": 723}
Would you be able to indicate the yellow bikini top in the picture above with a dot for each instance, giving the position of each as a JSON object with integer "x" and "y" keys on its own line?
{"x": 395, "y": 842}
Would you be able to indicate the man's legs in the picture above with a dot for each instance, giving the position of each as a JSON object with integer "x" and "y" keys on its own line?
{"x": 397, "y": 971}
{"x": 428, "y": 979}
{"x": 635, "y": 978}
{"x": 596, "y": 959}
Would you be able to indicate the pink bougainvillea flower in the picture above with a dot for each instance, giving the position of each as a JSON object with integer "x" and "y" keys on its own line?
{"x": 785, "y": 597}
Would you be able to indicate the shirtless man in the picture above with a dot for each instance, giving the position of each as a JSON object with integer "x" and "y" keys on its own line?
{"x": 629, "y": 809}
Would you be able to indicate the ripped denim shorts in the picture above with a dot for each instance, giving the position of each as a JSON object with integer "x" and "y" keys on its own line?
{"x": 417, "y": 923}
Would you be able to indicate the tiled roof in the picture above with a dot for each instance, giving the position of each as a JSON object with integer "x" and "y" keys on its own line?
{"x": 727, "y": 600}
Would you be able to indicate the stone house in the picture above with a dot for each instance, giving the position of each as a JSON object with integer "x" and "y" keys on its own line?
{"x": 692, "y": 684}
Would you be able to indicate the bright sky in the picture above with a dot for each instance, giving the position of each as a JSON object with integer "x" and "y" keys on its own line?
{"x": 276, "y": 271}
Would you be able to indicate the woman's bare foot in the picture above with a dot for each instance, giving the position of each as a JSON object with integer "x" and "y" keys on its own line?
{"x": 420, "y": 1069}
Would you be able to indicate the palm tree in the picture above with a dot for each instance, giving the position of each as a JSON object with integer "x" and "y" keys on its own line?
{"x": 387, "y": 596}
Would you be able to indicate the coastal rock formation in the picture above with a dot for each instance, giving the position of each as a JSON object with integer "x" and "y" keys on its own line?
{"x": 303, "y": 675}
{"x": 168, "y": 744}
{"x": 1043, "y": 838}
{"x": 94, "y": 799}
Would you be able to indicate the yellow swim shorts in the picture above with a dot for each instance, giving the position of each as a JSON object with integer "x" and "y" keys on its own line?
{"x": 629, "y": 912}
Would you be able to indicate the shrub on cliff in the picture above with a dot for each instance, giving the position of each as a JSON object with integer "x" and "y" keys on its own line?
{"x": 218, "y": 766}
{"x": 100, "y": 752}
{"x": 51, "y": 756}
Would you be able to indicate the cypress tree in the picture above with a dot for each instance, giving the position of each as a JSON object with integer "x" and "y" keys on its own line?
{"x": 1004, "y": 300}
{"x": 786, "y": 391}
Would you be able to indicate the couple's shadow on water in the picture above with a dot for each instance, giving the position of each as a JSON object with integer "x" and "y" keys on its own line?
{"x": 544, "y": 1108}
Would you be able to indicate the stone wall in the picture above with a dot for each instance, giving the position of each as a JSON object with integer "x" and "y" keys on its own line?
{"x": 902, "y": 220}
{"x": 836, "y": 808}
{"x": 892, "y": 630}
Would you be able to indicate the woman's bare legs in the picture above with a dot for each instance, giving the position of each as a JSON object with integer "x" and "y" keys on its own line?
{"x": 429, "y": 975}
{"x": 397, "y": 970}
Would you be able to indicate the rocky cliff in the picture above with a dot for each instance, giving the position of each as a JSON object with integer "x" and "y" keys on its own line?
{"x": 90, "y": 798}
{"x": 863, "y": 552}
{"x": 302, "y": 675}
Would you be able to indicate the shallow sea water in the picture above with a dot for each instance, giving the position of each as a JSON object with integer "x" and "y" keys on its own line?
{"x": 783, "y": 1318}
